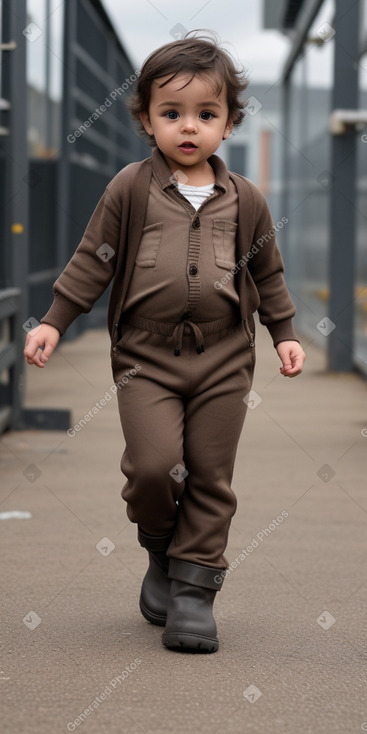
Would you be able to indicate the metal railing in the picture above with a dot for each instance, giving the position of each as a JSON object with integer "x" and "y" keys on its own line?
{"x": 11, "y": 357}
{"x": 46, "y": 203}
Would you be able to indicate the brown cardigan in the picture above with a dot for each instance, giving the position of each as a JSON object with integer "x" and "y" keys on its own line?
{"x": 118, "y": 220}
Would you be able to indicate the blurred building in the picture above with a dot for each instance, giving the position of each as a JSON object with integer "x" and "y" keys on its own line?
{"x": 318, "y": 170}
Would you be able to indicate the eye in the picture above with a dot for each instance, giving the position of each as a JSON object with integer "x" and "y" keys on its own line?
{"x": 206, "y": 115}
{"x": 171, "y": 114}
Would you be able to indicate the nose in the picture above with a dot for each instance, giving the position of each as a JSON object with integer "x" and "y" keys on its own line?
{"x": 189, "y": 124}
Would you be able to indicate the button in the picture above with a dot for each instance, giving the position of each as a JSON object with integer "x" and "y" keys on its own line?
{"x": 193, "y": 270}
{"x": 187, "y": 315}
{"x": 196, "y": 223}
{"x": 114, "y": 349}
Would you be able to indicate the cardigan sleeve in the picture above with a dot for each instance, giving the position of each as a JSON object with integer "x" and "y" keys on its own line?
{"x": 91, "y": 268}
{"x": 276, "y": 309}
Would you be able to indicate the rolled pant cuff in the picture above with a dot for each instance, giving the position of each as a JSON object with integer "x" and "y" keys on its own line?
{"x": 191, "y": 573}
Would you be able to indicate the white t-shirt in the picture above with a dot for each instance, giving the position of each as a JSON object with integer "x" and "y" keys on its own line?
{"x": 195, "y": 194}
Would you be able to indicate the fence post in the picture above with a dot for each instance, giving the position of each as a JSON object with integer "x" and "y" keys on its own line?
{"x": 343, "y": 192}
{"x": 14, "y": 145}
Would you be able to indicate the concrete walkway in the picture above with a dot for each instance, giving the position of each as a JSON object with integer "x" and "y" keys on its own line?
{"x": 77, "y": 654}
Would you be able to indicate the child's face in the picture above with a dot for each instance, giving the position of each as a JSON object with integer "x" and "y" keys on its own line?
{"x": 188, "y": 122}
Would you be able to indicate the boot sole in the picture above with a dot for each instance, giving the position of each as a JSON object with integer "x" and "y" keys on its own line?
{"x": 158, "y": 619}
{"x": 184, "y": 641}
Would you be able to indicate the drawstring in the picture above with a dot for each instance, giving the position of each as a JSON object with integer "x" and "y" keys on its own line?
{"x": 178, "y": 336}
{"x": 177, "y": 330}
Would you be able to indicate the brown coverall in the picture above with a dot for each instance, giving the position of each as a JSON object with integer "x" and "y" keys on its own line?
{"x": 174, "y": 294}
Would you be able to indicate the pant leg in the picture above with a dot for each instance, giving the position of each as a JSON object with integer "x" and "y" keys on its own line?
{"x": 152, "y": 419}
{"x": 184, "y": 410}
{"x": 213, "y": 422}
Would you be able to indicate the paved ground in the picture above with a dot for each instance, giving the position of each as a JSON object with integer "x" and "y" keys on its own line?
{"x": 291, "y": 615}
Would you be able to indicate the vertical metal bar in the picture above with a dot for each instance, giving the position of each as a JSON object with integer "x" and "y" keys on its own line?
{"x": 111, "y": 67}
{"x": 343, "y": 192}
{"x": 48, "y": 102}
{"x": 5, "y": 246}
{"x": 1, "y": 38}
{"x": 18, "y": 154}
{"x": 17, "y": 190}
{"x": 285, "y": 107}
{"x": 63, "y": 224}
{"x": 64, "y": 145}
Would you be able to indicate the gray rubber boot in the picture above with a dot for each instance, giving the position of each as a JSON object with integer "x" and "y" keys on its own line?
{"x": 190, "y": 625}
{"x": 156, "y": 583}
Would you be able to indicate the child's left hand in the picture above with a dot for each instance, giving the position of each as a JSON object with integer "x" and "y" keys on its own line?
{"x": 292, "y": 357}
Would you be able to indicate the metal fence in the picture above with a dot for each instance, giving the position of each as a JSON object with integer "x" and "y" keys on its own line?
{"x": 324, "y": 172}
{"x": 10, "y": 359}
{"x": 46, "y": 202}
{"x": 98, "y": 136}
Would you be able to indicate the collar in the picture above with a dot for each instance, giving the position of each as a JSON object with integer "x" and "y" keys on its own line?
{"x": 166, "y": 179}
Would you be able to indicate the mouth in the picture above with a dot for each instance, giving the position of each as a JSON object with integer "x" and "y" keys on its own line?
{"x": 188, "y": 146}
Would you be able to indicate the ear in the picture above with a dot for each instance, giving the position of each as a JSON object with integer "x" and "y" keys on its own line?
{"x": 145, "y": 121}
{"x": 228, "y": 128}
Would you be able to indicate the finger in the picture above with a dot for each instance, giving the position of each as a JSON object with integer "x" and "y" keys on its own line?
{"x": 47, "y": 351}
{"x": 298, "y": 361}
{"x": 32, "y": 345}
{"x": 31, "y": 349}
{"x": 36, "y": 358}
{"x": 293, "y": 369}
{"x": 34, "y": 349}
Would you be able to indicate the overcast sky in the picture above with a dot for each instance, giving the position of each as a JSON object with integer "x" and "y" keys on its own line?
{"x": 144, "y": 25}
{"x": 148, "y": 24}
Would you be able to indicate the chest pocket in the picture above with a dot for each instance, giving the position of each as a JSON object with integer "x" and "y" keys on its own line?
{"x": 149, "y": 245}
{"x": 224, "y": 243}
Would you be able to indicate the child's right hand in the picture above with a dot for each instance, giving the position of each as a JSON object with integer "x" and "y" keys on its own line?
{"x": 40, "y": 344}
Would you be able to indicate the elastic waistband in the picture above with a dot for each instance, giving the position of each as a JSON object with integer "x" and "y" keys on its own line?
{"x": 167, "y": 328}
{"x": 198, "y": 329}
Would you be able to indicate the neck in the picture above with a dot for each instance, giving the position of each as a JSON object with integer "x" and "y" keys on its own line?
{"x": 196, "y": 175}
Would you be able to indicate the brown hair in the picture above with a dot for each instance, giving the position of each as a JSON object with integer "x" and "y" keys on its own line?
{"x": 196, "y": 55}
